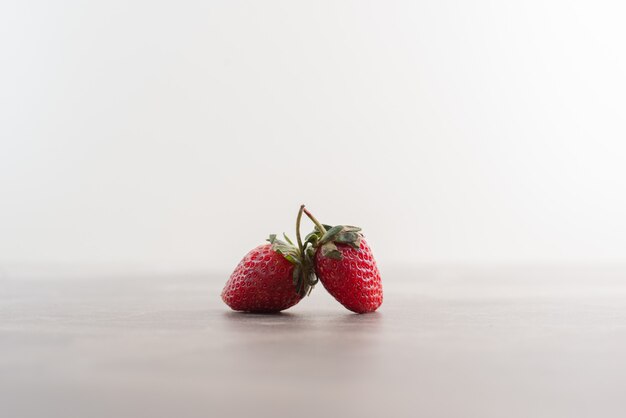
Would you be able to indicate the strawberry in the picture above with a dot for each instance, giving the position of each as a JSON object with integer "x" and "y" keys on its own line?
{"x": 270, "y": 278}
{"x": 345, "y": 265}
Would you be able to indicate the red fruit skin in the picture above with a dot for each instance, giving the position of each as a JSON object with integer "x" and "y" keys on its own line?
{"x": 261, "y": 282}
{"x": 354, "y": 280}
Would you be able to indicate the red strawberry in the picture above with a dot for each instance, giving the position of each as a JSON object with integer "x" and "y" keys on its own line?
{"x": 346, "y": 267}
{"x": 268, "y": 279}
{"x": 354, "y": 280}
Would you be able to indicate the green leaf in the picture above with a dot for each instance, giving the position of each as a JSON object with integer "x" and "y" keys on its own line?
{"x": 312, "y": 240}
{"x": 330, "y": 234}
{"x": 287, "y": 250}
{"x": 311, "y": 235}
{"x": 292, "y": 259}
{"x": 348, "y": 238}
{"x": 356, "y": 244}
{"x": 330, "y": 250}
{"x": 326, "y": 227}
{"x": 335, "y": 255}
{"x": 312, "y": 279}
{"x": 287, "y": 239}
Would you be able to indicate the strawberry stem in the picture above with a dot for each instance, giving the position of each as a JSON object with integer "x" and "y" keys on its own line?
{"x": 298, "y": 219}
{"x": 317, "y": 223}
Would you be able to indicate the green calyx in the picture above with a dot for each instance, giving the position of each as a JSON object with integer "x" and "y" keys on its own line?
{"x": 326, "y": 237}
{"x": 301, "y": 256}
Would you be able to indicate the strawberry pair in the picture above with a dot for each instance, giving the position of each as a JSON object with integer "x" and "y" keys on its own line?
{"x": 276, "y": 276}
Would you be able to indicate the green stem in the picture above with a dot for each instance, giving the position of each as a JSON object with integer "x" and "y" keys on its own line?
{"x": 298, "y": 219}
{"x": 315, "y": 221}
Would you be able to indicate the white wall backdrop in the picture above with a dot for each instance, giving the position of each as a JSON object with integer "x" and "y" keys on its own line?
{"x": 176, "y": 135}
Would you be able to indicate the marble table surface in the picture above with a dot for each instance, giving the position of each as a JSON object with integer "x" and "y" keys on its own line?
{"x": 448, "y": 341}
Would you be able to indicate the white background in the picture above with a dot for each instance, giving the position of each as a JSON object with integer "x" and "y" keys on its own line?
{"x": 174, "y": 136}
